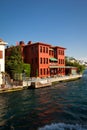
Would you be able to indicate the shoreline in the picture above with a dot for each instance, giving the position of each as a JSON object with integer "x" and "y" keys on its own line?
{"x": 40, "y": 83}
{"x": 12, "y": 89}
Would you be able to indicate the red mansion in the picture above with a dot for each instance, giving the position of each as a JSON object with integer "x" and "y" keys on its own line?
{"x": 45, "y": 60}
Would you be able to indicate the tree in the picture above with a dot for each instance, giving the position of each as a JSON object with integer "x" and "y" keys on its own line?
{"x": 26, "y": 69}
{"x": 14, "y": 63}
{"x": 80, "y": 67}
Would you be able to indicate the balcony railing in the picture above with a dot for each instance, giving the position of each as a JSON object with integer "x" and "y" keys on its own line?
{"x": 53, "y": 64}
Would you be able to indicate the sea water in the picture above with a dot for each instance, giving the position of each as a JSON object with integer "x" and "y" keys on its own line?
{"x": 62, "y": 106}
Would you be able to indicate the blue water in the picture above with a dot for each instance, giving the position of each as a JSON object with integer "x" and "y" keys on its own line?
{"x": 60, "y": 107}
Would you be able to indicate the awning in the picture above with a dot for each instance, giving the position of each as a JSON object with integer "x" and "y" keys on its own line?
{"x": 53, "y": 59}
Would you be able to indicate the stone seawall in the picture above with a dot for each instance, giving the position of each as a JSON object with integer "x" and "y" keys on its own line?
{"x": 65, "y": 78}
{"x": 38, "y": 83}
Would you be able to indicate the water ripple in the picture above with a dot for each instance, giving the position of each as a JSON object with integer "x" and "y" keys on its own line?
{"x": 45, "y": 108}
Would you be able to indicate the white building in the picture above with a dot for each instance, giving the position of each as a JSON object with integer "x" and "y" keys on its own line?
{"x": 2, "y": 59}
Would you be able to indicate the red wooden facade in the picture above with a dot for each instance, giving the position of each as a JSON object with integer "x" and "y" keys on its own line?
{"x": 45, "y": 60}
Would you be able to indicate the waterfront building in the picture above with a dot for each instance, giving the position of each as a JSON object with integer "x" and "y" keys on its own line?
{"x": 2, "y": 60}
{"x": 45, "y": 60}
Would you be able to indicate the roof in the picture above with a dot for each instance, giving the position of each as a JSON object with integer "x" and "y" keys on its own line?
{"x": 59, "y": 47}
{"x": 2, "y": 42}
{"x": 46, "y": 44}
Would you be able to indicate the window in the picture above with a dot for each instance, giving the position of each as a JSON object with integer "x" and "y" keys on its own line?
{"x": 41, "y": 71}
{"x": 52, "y": 53}
{"x": 40, "y": 60}
{"x": 47, "y": 71}
{"x": 1, "y": 54}
{"x": 43, "y": 60}
{"x": 40, "y": 48}
{"x": 59, "y": 52}
{"x": 46, "y": 49}
{"x": 46, "y": 60}
{"x": 63, "y": 61}
{"x": 59, "y": 61}
{"x": 43, "y": 49}
{"x": 63, "y": 52}
{"x": 44, "y": 71}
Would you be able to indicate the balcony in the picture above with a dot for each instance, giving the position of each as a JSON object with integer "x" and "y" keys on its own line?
{"x": 53, "y": 65}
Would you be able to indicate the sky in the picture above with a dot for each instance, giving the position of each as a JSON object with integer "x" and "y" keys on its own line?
{"x": 56, "y": 22}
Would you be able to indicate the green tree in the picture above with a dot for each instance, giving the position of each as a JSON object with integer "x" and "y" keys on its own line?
{"x": 26, "y": 69}
{"x": 80, "y": 67}
{"x": 14, "y": 63}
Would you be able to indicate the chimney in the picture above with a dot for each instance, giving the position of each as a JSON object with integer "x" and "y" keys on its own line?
{"x": 22, "y": 43}
{"x": 30, "y": 42}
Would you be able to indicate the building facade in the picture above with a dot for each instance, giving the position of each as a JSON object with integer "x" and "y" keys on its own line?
{"x": 45, "y": 60}
{"x": 2, "y": 59}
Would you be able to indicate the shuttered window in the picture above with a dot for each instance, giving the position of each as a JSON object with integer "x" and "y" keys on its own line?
{"x": 1, "y": 54}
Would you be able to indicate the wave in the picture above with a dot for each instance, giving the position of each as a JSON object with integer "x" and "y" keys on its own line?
{"x": 63, "y": 126}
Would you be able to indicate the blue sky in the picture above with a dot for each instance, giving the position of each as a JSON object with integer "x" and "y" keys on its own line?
{"x": 57, "y": 22}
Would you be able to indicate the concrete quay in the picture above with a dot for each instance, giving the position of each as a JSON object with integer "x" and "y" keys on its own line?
{"x": 33, "y": 83}
{"x": 11, "y": 89}
{"x": 65, "y": 78}
{"x": 39, "y": 82}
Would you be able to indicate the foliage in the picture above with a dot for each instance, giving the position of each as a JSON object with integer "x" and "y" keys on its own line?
{"x": 80, "y": 67}
{"x": 26, "y": 69}
{"x": 14, "y": 63}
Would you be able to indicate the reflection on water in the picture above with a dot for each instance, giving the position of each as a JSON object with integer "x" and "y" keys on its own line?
{"x": 60, "y": 107}
{"x": 3, "y": 109}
